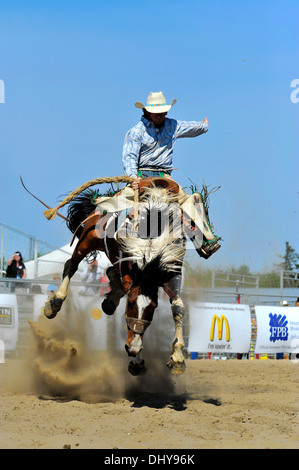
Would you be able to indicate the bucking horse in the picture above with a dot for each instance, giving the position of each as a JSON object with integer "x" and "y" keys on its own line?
{"x": 146, "y": 252}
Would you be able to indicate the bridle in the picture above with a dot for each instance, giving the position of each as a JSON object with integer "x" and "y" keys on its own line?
{"x": 139, "y": 325}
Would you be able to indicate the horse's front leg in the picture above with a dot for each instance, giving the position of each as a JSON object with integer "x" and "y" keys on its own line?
{"x": 54, "y": 304}
{"x": 112, "y": 299}
{"x": 88, "y": 242}
{"x": 176, "y": 363}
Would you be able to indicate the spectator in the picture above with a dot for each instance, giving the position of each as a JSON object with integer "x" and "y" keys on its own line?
{"x": 104, "y": 289}
{"x": 92, "y": 274}
{"x": 53, "y": 287}
{"x": 16, "y": 268}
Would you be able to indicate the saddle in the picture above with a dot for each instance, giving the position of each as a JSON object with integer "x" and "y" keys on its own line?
{"x": 168, "y": 184}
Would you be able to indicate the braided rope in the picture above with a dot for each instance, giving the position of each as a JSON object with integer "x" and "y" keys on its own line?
{"x": 51, "y": 213}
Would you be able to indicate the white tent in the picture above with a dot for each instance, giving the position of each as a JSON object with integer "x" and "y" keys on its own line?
{"x": 47, "y": 266}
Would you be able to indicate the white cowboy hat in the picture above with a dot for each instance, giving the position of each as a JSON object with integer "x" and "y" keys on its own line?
{"x": 156, "y": 103}
{"x": 285, "y": 303}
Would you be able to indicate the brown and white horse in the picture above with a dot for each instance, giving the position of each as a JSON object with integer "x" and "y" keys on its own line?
{"x": 143, "y": 259}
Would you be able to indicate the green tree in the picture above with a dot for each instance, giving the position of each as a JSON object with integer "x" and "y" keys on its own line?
{"x": 271, "y": 279}
{"x": 290, "y": 260}
{"x": 244, "y": 270}
{"x": 290, "y": 263}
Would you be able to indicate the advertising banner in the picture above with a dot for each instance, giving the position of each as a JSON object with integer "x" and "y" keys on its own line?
{"x": 219, "y": 328}
{"x": 277, "y": 329}
{"x": 8, "y": 321}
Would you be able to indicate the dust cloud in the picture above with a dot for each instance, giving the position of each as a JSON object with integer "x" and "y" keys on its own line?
{"x": 57, "y": 362}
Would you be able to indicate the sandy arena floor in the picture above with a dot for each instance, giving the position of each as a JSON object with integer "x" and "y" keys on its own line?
{"x": 59, "y": 395}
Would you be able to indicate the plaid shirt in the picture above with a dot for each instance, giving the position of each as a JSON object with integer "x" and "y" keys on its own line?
{"x": 145, "y": 146}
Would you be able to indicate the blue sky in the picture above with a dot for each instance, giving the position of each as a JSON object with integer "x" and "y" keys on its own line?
{"x": 72, "y": 71}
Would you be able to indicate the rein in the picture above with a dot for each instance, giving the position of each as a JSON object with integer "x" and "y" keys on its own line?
{"x": 52, "y": 212}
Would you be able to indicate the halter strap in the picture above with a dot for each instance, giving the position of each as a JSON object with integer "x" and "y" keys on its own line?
{"x": 137, "y": 325}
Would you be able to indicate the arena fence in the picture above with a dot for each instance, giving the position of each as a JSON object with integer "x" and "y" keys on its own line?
{"x": 28, "y": 291}
{"x": 243, "y": 289}
{"x": 32, "y": 249}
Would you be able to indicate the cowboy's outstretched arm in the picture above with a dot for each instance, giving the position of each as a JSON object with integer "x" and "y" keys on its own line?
{"x": 191, "y": 128}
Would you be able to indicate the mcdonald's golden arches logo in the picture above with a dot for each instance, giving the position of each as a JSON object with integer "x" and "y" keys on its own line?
{"x": 220, "y": 321}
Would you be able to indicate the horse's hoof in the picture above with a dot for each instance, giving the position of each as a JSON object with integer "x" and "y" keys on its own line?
{"x": 176, "y": 368}
{"x": 137, "y": 368}
{"x": 47, "y": 311}
{"x": 108, "y": 306}
{"x": 52, "y": 307}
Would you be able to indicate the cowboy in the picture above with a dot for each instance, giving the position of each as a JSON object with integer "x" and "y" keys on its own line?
{"x": 148, "y": 149}
{"x": 147, "y": 152}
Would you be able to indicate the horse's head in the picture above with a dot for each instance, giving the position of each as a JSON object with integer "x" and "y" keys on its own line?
{"x": 139, "y": 314}
{"x": 156, "y": 255}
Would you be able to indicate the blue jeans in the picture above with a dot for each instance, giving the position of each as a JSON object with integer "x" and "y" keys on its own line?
{"x": 157, "y": 173}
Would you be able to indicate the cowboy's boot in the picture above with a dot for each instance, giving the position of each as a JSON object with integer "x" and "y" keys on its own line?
{"x": 197, "y": 226}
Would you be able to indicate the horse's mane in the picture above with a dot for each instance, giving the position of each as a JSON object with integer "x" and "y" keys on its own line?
{"x": 163, "y": 251}
{"x": 79, "y": 209}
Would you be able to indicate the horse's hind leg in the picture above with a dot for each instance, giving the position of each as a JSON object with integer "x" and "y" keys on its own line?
{"x": 176, "y": 363}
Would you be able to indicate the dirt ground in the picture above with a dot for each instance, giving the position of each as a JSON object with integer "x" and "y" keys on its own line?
{"x": 60, "y": 396}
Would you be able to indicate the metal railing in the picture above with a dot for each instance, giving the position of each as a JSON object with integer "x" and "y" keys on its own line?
{"x": 31, "y": 247}
{"x": 26, "y": 289}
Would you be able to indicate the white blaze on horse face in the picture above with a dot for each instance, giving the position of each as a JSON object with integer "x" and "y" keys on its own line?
{"x": 136, "y": 344}
{"x": 142, "y": 302}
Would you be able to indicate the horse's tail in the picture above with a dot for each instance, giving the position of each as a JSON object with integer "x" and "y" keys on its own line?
{"x": 79, "y": 209}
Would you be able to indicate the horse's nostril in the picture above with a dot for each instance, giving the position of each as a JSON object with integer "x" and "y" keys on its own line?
{"x": 128, "y": 351}
{"x": 133, "y": 351}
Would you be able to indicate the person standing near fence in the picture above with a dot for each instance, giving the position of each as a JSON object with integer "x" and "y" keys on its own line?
{"x": 92, "y": 274}
{"x": 15, "y": 267}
